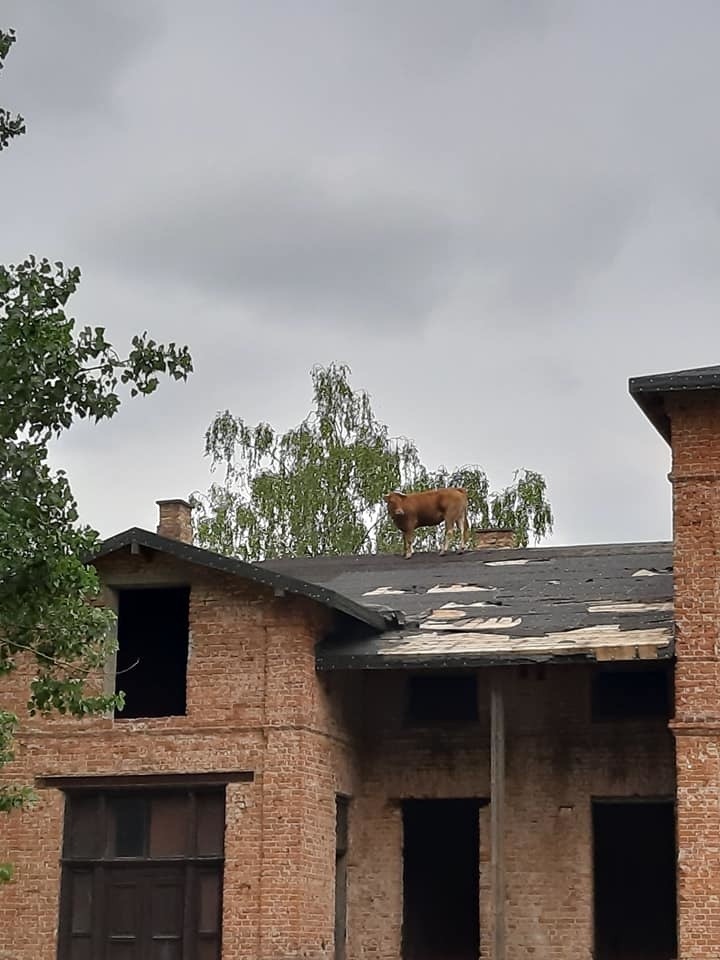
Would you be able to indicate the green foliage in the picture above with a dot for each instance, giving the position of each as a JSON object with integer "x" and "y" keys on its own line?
{"x": 11, "y": 797}
{"x": 11, "y": 125}
{"x": 52, "y": 375}
{"x": 318, "y": 488}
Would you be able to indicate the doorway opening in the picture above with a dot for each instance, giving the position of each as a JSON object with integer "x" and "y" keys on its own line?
{"x": 441, "y": 880}
{"x": 634, "y": 867}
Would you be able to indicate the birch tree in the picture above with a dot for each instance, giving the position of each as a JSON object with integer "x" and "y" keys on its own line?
{"x": 317, "y": 488}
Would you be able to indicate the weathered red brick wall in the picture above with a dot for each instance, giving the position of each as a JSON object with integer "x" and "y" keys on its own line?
{"x": 254, "y": 703}
{"x": 695, "y": 422}
{"x": 557, "y": 760}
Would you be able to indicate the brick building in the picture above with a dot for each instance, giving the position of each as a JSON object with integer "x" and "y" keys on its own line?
{"x": 368, "y": 758}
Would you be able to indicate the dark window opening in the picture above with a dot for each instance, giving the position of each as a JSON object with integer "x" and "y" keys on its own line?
{"x": 129, "y": 823}
{"x": 152, "y": 651}
{"x": 142, "y": 875}
{"x": 437, "y": 698}
{"x": 631, "y": 694}
{"x": 342, "y": 805}
{"x": 634, "y": 866}
{"x": 441, "y": 877}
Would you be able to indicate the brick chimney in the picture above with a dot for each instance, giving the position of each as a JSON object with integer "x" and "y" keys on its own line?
{"x": 685, "y": 408}
{"x": 492, "y": 539}
{"x": 175, "y": 521}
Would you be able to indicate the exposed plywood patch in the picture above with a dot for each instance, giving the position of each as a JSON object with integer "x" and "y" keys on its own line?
{"x": 604, "y": 642}
{"x": 451, "y": 604}
{"x": 447, "y": 618}
{"x": 641, "y": 651}
{"x": 494, "y": 623}
{"x": 460, "y": 588}
{"x": 629, "y": 606}
{"x": 516, "y": 563}
{"x": 444, "y": 614}
{"x": 384, "y": 592}
{"x": 506, "y": 563}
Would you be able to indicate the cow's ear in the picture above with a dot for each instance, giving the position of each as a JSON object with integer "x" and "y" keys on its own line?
{"x": 386, "y": 497}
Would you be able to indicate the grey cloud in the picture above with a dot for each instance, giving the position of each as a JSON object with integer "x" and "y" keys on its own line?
{"x": 435, "y": 33}
{"x": 546, "y": 255}
{"x": 298, "y": 247}
{"x": 344, "y": 257}
{"x": 356, "y": 162}
{"x": 70, "y": 53}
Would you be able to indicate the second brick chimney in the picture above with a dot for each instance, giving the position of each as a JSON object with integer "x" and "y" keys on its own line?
{"x": 175, "y": 521}
{"x": 493, "y": 538}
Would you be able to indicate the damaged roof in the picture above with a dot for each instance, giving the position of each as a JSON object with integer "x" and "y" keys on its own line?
{"x": 605, "y": 602}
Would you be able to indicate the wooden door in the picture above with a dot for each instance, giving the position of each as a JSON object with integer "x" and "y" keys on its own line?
{"x": 144, "y": 911}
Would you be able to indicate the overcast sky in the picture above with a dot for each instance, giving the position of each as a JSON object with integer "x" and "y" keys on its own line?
{"x": 496, "y": 211}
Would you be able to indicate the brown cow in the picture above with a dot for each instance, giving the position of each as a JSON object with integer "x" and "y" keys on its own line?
{"x": 428, "y": 509}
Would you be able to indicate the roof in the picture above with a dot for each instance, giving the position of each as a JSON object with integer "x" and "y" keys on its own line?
{"x": 277, "y": 581}
{"x": 604, "y": 602}
{"x": 649, "y": 391}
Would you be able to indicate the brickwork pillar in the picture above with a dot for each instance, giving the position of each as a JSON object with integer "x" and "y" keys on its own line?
{"x": 296, "y": 896}
{"x": 695, "y": 420}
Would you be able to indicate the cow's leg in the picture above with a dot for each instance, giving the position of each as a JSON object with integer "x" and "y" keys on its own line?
{"x": 449, "y": 524}
{"x": 408, "y": 538}
{"x": 463, "y": 528}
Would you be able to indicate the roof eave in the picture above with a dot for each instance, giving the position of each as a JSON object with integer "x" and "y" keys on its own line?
{"x": 326, "y": 662}
{"x": 649, "y": 392}
{"x": 653, "y": 406}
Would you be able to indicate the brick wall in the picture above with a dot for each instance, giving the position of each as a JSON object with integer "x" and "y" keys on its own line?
{"x": 557, "y": 760}
{"x": 695, "y": 422}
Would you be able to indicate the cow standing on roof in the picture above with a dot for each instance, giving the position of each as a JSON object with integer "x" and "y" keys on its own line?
{"x": 409, "y": 511}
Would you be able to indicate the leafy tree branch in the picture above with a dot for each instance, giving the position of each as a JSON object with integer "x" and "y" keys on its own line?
{"x": 11, "y": 125}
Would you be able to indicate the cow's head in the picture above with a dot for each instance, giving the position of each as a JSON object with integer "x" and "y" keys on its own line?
{"x": 394, "y": 503}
